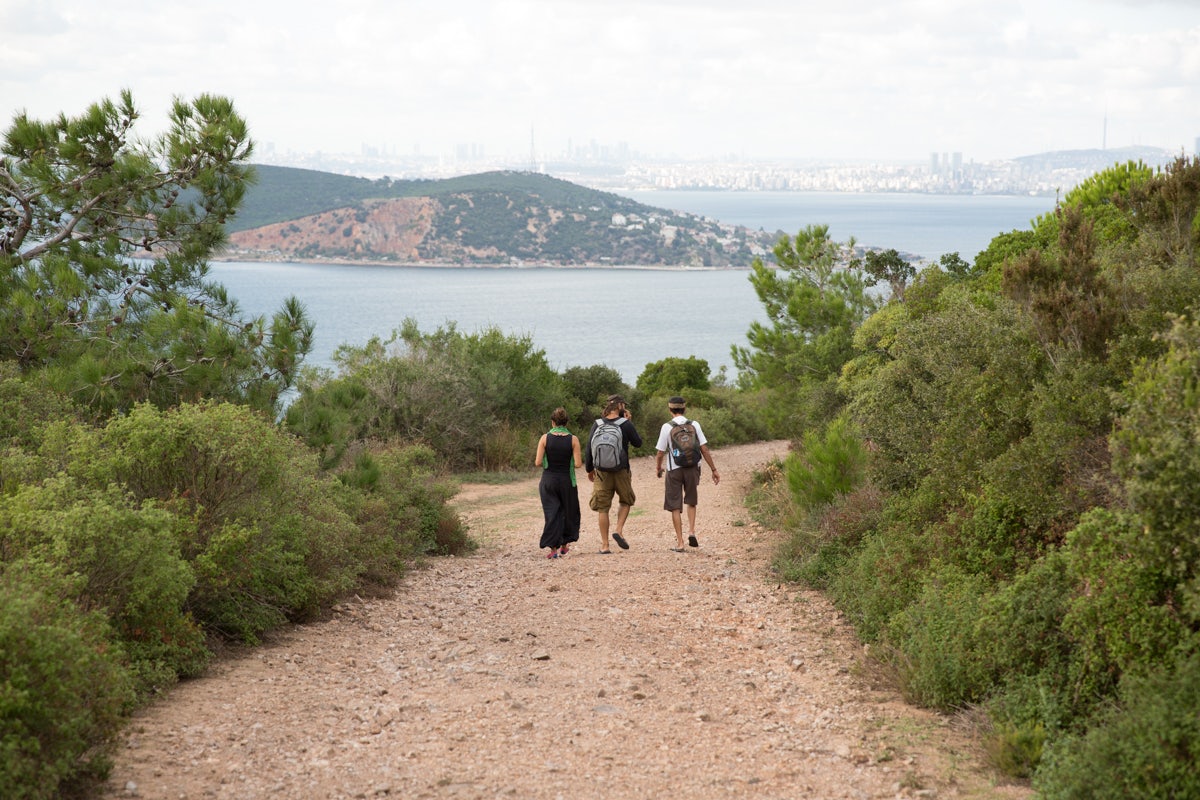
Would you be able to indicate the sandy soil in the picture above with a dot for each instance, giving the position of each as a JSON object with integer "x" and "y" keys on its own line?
{"x": 640, "y": 674}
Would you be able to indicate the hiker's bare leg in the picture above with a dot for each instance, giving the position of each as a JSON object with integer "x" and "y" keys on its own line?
{"x": 622, "y": 515}
{"x": 677, "y": 521}
{"x": 603, "y": 529}
{"x": 691, "y": 512}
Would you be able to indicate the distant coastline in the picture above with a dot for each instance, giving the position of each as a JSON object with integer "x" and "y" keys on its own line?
{"x": 249, "y": 258}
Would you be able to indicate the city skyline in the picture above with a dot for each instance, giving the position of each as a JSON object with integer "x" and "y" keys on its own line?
{"x": 704, "y": 79}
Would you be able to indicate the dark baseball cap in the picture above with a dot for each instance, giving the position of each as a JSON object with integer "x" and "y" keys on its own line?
{"x": 676, "y": 402}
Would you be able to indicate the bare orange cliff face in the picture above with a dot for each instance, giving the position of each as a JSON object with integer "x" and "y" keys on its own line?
{"x": 386, "y": 229}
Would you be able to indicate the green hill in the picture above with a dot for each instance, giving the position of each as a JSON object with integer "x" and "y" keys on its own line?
{"x": 489, "y": 218}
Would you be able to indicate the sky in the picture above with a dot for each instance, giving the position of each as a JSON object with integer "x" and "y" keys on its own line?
{"x": 881, "y": 80}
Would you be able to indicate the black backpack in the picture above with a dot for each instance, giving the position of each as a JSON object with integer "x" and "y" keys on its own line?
{"x": 606, "y": 445}
{"x": 685, "y": 444}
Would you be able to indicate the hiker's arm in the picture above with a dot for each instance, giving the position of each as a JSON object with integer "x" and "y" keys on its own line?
{"x": 587, "y": 458}
{"x": 575, "y": 448}
{"x": 704, "y": 451}
{"x": 658, "y": 461}
{"x": 541, "y": 451}
{"x": 631, "y": 432}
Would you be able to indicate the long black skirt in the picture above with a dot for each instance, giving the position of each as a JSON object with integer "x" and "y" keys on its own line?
{"x": 560, "y": 505}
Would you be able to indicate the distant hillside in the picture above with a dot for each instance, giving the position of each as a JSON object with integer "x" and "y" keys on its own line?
{"x": 1094, "y": 160}
{"x": 493, "y": 218}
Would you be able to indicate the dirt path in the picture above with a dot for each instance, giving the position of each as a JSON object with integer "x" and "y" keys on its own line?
{"x": 641, "y": 674}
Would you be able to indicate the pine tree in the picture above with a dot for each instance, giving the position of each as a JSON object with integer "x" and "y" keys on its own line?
{"x": 104, "y": 248}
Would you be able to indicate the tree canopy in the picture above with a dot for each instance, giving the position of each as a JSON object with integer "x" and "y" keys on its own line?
{"x": 814, "y": 301}
{"x": 104, "y": 241}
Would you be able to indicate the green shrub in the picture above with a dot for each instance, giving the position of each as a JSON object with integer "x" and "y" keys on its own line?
{"x": 507, "y": 445}
{"x": 880, "y": 577}
{"x": 1123, "y": 616}
{"x": 400, "y": 506}
{"x": 935, "y": 641}
{"x": 1022, "y": 633}
{"x": 270, "y": 538}
{"x": 829, "y": 464}
{"x": 951, "y": 395}
{"x": 1143, "y": 748}
{"x": 1016, "y": 750}
{"x": 590, "y": 386}
{"x": 819, "y": 543}
{"x": 63, "y": 692}
{"x": 26, "y": 406}
{"x": 1031, "y": 710}
{"x": 674, "y": 375}
{"x": 1156, "y": 453}
{"x": 446, "y": 390}
{"x": 122, "y": 559}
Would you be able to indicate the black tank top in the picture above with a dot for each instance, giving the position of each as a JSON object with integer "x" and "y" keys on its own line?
{"x": 559, "y": 453}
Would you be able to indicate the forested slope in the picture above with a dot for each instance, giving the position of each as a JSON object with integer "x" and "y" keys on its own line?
{"x": 494, "y": 218}
{"x": 999, "y": 477}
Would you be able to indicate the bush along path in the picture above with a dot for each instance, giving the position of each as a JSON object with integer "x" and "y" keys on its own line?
{"x": 642, "y": 673}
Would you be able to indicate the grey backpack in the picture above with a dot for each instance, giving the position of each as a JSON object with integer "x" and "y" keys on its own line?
{"x": 606, "y": 444}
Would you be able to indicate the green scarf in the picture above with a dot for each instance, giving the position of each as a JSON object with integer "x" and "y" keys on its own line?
{"x": 546, "y": 458}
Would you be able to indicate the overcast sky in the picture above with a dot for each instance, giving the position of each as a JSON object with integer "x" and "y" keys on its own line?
{"x": 874, "y": 79}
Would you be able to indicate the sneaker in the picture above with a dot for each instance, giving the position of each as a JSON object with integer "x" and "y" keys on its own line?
{"x": 620, "y": 540}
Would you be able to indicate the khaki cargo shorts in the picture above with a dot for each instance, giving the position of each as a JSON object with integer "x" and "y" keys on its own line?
{"x": 609, "y": 483}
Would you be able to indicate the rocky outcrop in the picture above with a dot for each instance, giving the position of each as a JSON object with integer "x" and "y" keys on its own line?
{"x": 374, "y": 229}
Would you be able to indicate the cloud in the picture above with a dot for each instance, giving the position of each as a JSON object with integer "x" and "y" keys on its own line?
{"x": 699, "y": 78}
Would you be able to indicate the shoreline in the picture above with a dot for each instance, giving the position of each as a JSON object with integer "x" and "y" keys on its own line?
{"x": 367, "y": 262}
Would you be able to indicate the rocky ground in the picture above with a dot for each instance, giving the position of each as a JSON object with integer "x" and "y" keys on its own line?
{"x": 641, "y": 674}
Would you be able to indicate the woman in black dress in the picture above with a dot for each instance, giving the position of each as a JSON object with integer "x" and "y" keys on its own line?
{"x": 558, "y": 455}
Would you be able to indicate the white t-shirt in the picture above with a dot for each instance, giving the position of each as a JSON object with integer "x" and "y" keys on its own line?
{"x": 664, "y": 438}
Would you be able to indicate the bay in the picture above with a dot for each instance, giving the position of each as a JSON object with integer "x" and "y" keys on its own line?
{"x": 622, "y": 318}
{"x": 924, "y": 225}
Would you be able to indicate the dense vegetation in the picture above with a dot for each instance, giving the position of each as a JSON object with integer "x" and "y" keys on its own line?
{"x": 481, "y": 400}
{"x": 997, "y": 476}
{"x": 151, "y": 507}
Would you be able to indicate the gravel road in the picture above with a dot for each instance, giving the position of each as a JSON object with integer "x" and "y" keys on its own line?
{"x": 641, "y": 674}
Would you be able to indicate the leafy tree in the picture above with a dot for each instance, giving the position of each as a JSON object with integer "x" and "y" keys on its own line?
{"x": 103, "y": 248}
{"x": 473, "y": 399}
{"x": 1071, "y": 303}
{"x": 1002, "y": 249}
{"x": 673, "y": 375}
{"x": 888, "y": 265}
{"x": 942, "y": 395}
{"x": 588, "y": 387}
{"x": 1102, "y": 200}
{"x": 955, "y": 266}
{"x": 814, "y": 302}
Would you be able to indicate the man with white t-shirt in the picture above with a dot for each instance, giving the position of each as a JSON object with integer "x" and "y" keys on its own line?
{"x": 682, "y": 445}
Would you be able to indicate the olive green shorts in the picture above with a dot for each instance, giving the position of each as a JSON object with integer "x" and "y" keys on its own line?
{"x": 607, "y": 484}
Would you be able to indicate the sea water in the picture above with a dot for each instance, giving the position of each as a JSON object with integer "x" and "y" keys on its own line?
{"x": 622, "y": 318}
